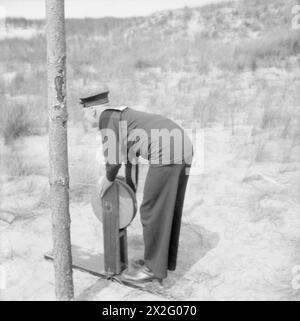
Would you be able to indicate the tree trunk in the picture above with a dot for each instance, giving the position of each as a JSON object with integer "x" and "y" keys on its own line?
{"x": 58, "y": 149}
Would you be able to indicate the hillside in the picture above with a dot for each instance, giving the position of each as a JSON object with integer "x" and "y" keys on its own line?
{"x": 136, "y": 55}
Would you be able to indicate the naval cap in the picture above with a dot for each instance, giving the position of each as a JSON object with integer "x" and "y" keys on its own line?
{"x": 93, "y": 99}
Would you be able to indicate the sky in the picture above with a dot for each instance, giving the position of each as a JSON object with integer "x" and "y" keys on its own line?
{"x": 95, "y": 8}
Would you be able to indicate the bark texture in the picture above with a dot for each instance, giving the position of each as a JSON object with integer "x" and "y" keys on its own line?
{"x": 58, "y": 149}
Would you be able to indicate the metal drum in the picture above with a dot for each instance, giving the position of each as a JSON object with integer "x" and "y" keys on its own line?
{"x": 127, "y": 203}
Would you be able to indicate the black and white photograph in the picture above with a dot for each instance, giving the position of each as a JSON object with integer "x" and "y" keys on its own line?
{"x": 149, "y": 151}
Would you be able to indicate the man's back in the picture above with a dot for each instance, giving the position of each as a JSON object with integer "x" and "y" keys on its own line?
{"x": 151, "y": 136}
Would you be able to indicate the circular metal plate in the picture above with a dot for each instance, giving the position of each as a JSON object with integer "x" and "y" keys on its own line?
{"x": 127, "y": 203}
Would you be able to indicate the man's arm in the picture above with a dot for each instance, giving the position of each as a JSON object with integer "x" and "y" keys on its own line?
{"x": 109, "y": 126}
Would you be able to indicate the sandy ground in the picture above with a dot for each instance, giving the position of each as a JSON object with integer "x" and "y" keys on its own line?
{"x": 240, "y": 235}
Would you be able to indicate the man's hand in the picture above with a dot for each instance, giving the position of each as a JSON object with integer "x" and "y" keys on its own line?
{"x": 103, "y": 185}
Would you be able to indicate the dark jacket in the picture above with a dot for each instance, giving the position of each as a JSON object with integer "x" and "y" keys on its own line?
{"x": 153, "y": 137}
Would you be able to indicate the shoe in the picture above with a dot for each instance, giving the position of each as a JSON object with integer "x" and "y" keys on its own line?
{"x": 142, "y": 275}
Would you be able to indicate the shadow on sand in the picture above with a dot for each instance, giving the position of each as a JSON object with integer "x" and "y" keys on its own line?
{"x": 195, "y": 242}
